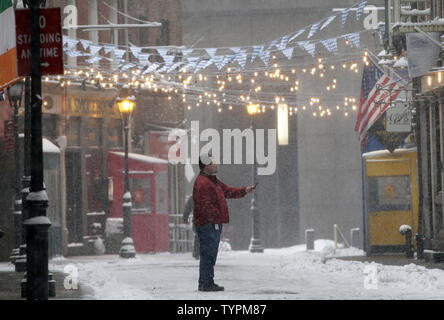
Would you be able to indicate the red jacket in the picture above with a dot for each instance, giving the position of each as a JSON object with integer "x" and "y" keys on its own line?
{"x": 210, "y": 204}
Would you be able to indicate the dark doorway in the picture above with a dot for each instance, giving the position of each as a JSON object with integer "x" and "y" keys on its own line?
{"x": 74, "y": 197}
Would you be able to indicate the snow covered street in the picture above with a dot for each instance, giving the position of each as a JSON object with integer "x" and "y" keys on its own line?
{"x": 289, "y": 273}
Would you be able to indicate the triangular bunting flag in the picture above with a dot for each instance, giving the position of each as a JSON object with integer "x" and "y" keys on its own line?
{"x": 354, "y": 39}
{"x": 272, "y": 44}
{"x": 143, "y": 58}
{"x": 241, "y": 58}
{"x": 168, "y": 59}
{"x": 127, "y": 66}
{"x": 308, "y": 46}
{"x": 313, "y": 30}
{"x": 344, "y": 16}
{"x": 288, "y": 52}
{"x": 202, "y": 65}
{"x": 256, "y": 51}
{"x": 211, "y": 51}
{"x": 227, "y": 60}
{"x": 71, "y": 43}
{"x": 284, "y": 42}
{"x": 93, "y": 49}
{"x": 73, "y": 53}
{"x": 162, "y": 52}
{"x": 361, "y": 7}
{"x": 94, "y": 59}
{"x": 175, "y": 66}
{"x": 151, "y": 68}
{"x": 192, "y": 64}
{"x": 65, "y": 40}
{"x": 108, "y": 48}
{"x": 165, "y": 67}
{"x": 265, "y": 56}
{"x": 119, "y": 53}
{"x": 186, "y": 52}
{"x": 85, "y": 43}
{"x": 297, "y": 34}
{"x": 328, "y": 21}
{"x": 217, "y": 60}
{"x": 331, "y": 45}
{"x": 135, "y": 51}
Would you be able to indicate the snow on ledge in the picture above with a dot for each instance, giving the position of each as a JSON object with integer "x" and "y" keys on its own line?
{"x": 435, "y": 22}
{"x": 380, "y": 153}
{"x": 39, "y": 220}
{"x": 141, "y": 157}
{"x": 37, "y": 196}
{"x": 49, "y": 147}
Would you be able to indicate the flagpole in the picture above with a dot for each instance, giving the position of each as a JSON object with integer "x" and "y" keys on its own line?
{"x": 374, "y": 58}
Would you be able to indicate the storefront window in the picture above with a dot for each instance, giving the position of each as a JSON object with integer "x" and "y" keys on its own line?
{"x": 141, "y": 195}
{"x": 93, "y": 132}
{"x": 114, "y": 133}
{"x": 72, "y": 131}
{"x": 161, "y": 193}
{"x": 389, "y": 193}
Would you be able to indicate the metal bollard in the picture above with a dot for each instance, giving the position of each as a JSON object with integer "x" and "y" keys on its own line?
{"x": 406, "y": 231}
{"x": 355, "y": 235}
{"x": 23, "y": 286}
{"x": 51, "y": 285}
{"x": 419, "y": 246}
{"x": 309, "y": 239}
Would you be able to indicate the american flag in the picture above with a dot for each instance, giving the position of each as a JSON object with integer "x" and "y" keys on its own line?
{"x": 377, "y": 93}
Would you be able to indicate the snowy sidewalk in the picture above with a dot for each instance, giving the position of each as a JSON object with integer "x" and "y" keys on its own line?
{"x": 290, "y": 273}
{"x": 10, "y": 285}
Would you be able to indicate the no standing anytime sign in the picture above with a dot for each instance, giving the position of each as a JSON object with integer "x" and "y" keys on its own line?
{"x": 51, "y": 42}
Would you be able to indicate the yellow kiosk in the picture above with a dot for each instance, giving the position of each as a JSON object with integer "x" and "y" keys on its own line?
{"x": 391, "y": 199}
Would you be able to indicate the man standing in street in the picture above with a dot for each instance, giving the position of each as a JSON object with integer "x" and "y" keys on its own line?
{"x": 210, "y": 212}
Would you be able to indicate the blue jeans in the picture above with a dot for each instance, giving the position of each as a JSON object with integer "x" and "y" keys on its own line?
{"x": 209, "y": 239}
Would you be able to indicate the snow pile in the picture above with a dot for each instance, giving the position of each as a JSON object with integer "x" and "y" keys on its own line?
{"x": 98, "y": 277}
{"x": 113, "y": 226}
{"x": 224, "y": 245}
{"x": 412, "y": 276}
{"x": 286, "y": 273}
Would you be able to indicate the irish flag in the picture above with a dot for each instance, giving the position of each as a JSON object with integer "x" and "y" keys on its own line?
{"x": 8, "y": 54}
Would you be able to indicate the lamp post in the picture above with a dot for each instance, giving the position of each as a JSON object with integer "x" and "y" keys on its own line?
{"x": 20, "y": 262}
{"x": 256, "y": 242}
{"x": 127, "y": 250}
{"x": 36, "y": 223}
{"x": 15, "y": 94}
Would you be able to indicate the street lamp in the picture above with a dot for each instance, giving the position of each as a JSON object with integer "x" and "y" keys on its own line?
{"x": 15, "y": 93}
{"x": 256, "y": 242}
{"x": 36, "y": 223}
{"x": 127, "y": 250}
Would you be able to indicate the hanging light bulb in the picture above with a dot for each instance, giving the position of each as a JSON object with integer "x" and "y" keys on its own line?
{"x": 282, "y": 124}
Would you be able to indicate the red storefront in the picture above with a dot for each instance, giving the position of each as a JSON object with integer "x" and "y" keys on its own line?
{"x": 149, "y": 191}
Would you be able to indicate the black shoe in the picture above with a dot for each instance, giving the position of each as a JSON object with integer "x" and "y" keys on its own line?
{"x": 213, "y": 287}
